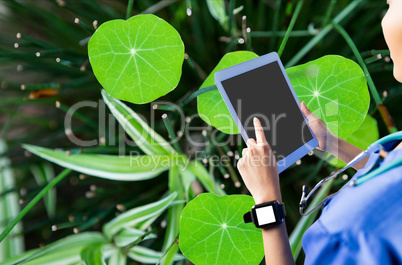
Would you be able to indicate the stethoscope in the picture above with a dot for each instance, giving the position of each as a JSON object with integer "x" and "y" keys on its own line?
{"x": 374, "y": 147}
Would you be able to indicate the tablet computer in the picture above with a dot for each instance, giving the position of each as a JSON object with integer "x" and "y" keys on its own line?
{"x": 261, "y": 88}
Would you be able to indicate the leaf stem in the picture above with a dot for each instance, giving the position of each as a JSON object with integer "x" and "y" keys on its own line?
{"x": 328, "y": 13}
{"x": 291, "y": 25}
{"x": 196, "y": 94}
{"x": 39, "y": 196}
{"x": 275, "y": 23}
{"x": 76, "y": 114}
{"x": 294, "y": 33}
{"x": 231, "y": 170}
{"x": 232, "y": 4}
{"x": 35, "y": 41}
{"x": 129, "y": 8}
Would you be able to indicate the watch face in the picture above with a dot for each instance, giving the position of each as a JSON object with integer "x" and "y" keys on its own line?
{"x": 265, "y": 215}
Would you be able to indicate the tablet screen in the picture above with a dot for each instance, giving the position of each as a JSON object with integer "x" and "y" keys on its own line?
{"x": 263, "y": 92}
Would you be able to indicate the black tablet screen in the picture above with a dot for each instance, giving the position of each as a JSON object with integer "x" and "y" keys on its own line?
{"x": 263, "y": 92}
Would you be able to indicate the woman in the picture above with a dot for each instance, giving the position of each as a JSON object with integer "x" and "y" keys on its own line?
{"x": 360, "y": 225}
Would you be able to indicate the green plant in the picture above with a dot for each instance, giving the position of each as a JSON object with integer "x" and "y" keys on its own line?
{"x": 123, "y": 237}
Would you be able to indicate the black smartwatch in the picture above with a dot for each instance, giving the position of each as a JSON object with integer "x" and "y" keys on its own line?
{"x": 266, "y": 214}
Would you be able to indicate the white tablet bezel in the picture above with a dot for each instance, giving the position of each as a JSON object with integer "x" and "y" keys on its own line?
{"x": 252, "y": 64}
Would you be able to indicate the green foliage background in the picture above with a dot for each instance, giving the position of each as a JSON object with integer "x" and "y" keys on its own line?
{"x": 85, "y": 203}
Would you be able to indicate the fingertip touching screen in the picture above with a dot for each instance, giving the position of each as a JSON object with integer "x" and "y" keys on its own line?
{"x": 264, "y": 93}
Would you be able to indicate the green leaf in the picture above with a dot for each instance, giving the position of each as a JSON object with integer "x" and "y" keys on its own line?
{"x": 295, "y": 239}
{"x": 148, "y": 256}
{"x": 211, "y": 107}
{"x": 136, "y": 215}
{"x": 128, "y": 236}
{"x": 43, "y": 174}
{"x": 13, "y": 244}
{"x": 335, "y": 89}
{"x": 169, "y": 255}
{"x": 217, "y": 10}
{"x": 173, "y": 217}
{"x": 63, "y": 251}
{"x": 212, "y": 231}
{"x": 92, "y": 255}
{"x": 144, "y": 136}
{"x": 365, "y": 135}
{"x": 138, "y": 60}
{"x": 187, "y": 177}
{"x": 125, "y": 168}
{"x": 118, "y": 257}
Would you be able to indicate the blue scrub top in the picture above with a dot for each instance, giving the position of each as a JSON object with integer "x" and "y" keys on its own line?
{"x": 361, "y": 224}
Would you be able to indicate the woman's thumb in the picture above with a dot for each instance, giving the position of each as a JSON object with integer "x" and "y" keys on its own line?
{"x": 304, "y": 109}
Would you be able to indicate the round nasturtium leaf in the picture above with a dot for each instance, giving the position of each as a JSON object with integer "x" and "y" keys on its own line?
{"x": 211, "y": 107}
{"x": 335, "y": 89}
{"x": 138, "y": 60}
{"x": 212, "y": 231}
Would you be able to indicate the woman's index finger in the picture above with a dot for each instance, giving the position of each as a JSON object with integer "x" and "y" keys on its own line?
{"x": 259, "y": 132}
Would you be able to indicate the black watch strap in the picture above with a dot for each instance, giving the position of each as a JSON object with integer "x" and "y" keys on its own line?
{"x": 247, "y": 217}
{"x": 281, "y": 212}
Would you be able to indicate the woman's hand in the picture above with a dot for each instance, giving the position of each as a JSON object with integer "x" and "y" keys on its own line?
{"x": 330, "y": 143}
{"x": 326, "y": 139}
{"x": 258, "y": 168}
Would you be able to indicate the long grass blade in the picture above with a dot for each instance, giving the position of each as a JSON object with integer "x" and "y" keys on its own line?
{"x": 126, "y": 168}
{"x": 136, "y": 215}
{"x": 32, "y": 203}
{"x": 144, "y": 136}
{"x": 43, "y": 174}
{"x": 129, "y": 236}
{"x": 148, "y": 256}
{"x": 92, "y": 255}
{"x": 173, "y": 217}
{"x": 9, "y": 208}
{"x": 63, "y": 251}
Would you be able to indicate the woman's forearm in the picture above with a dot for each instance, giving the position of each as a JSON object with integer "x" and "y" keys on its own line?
{"x": 345, "y": 151}
{"x": 276, "y": 245}
{"x": 276, "y": 241}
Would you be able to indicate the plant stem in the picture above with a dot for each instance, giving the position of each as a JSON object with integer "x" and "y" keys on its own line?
{"x": 171, "y": 133}
{"x": 129, "y": 8}
{"x": 275, "y": 23}
{"x": 39, "y": 196}
{"x": 295, "y": 33}
{"x": 35, "y": 41}
{"x": 323, "y": 33}
{"x": 232, "y": 4}
{"x": 359, "y": 58}
{"x": 231, "y": 170}
{"x": 76, "y": 114}
{"x": 158, "y": 6}
{"x": 84, "y": 25}
{"x": 375, "y": 52}
{"x": 197, "y": 93}
{"x": 383, "y": 110}
{"x": 196, "y": 67}
{"x": 329, "y": 12}
{"x": 291, "y": 25}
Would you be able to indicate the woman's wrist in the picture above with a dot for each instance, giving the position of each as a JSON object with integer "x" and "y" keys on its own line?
{"x": 333, "y": 143}
{"x": 267, "y": 197}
